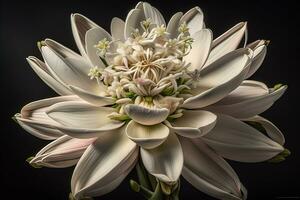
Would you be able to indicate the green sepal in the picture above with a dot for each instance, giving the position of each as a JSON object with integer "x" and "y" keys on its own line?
{"x": 277, "y": 159}
{"x": 15, "y": 117}
{"x": 130, "y": 95}
{"x": 158, "y": 194}
{"x": 167, "y": 91}
{"x": 140, "y": 189}
{"x": 277, "y": 86}
{"x": 71, "y": 197}
{"x": 257, "y": 126}
{"x": 34, "y": 165}
{"x": 285, "y": 153}
{"x": 166, "y": 189}
{"x": 142, "y": 175}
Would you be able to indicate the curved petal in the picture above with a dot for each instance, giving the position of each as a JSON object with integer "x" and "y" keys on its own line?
{"x": 154, "y": 14}
{"x": 147, "y": 137}
{"x": 80, "y": 25}
{"x": 94, "y": 99}
{"x": 208, "y": 172}
{"x": 132, "y": 22}
{"x": 193, "y": 123}
{"x": 67, "y": 66}
{"x": 164, "y": 162}
{"x": 41, "y": 69}
{"x": 200, "y": 49}
{"x": 146, "y": 116}
{"x": 248, "y": 100}
{"x": 238, "y": 141}
{"x": 34, "y": 119}
{"x": 82, "y": 120}
{"x": 259, "y": 54}
{"x": 273, "y": 132}
{"x": 194, "y": 20}
{"x": 174, "y": 24}
{"x": 117, "y": 27}
{"x": 92, "y": 37}
{"x": 219, "y": 79}
{"x": 227, "y": 42}
{"x": 98, "y": 171}
{"x": 62, "y": 152}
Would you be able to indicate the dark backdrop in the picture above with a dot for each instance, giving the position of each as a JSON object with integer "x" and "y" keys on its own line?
{"x": 24, "y": 23}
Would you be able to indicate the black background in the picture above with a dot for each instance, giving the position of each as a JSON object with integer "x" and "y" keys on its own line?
{"x": 24, "y": 23}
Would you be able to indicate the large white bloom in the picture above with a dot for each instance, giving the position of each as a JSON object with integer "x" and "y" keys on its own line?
{"x": 167, "y": 91}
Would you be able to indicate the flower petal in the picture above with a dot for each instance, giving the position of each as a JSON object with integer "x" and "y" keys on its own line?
{"x": 154, "y": 14}
{"x": 200, "y": 49}
{"x": 94, "y": 99}
{"x": 259, "y": 54}
{"x": 194, "y": 20}
{"x": 80, "y": 25}
{"x": 193, "y": 123}
{"x": 227, "y": 42}
{"x": 62, "y": 152}
{"x": 219, "y": 79}
{"x": 34, "y": 119}
{"x": 146, "y": 116}
{"x": 132, "y": 22}
{"x": 273, "y": 132}
{"x": 82, "y": 120}
{"x": 92, "y": 37}
{"x": 98, "y": 170}
{"x": 208, "y": 172}
{"x": 174, "y": 24}
{"x": 248, "y": 100}
{"x": 67, "y": 66}
{"x": 117, "y": 27}
{"x": 164, "y": 162}
{"x": 147, "y": 137}
{"x": 40, "y": 68}
{"x": 238, "y": 141}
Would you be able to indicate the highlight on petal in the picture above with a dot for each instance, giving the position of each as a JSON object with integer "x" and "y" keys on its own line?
{"x": 227, "y": 42}
{"x": 67, "y": 67}
{"x": 193, "y": 123}
{"x": 117, "y": 27}
{"x": 164, "y": 162}
{"x": 210, "y": 173}
{"x": 148, "y": 137}
{"x": 248, "y": 100}
{"x": 42, "y": 71}
{"x": 259, "y": 53}
{"x": 154, "y": 14}
{"x": 80, "y": 25}
{"x": 104, "y": 165}
{"x": 174, "y": 24}
{"x": 82, "y": 120}
{"x": 200, "y": 49}
{"x": 146, "y": 116}
{"x": 219, "y": 79}
{"x": 63, "y": 152}
{"x": 194, "y": 20}
{"x": 271, "y": 130}
{"x": 33, "y": 118}
{"x": 235, "y": 140}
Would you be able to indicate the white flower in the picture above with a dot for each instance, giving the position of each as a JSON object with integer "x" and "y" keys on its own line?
{"x": 168, "y": 91}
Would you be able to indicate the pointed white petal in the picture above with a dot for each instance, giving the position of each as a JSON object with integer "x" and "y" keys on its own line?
{"x": 108, "y": 158}
{"x": 63, "y": 152}
{"x": 80, "y": 25}
{"x": 248, "y": 100}
{"x": 35, "y": 120}
{"x": 273, "y": 132}
{"x": 238, "y": 141}
{"x": 133, "y": 21}
{"x": 40, "y": 68}
{"x": 117, "y": 27}
{"x": 147, "y": 137}
{"x": 92, "y": 37}
{"x": 174, "y": 24}
{"x": 259, "y": 54}
{"x": 219, "y": 79}
{"x": 193, "y": 123}
{"x": 200, "y": 49}
{"x": 164, "y": 162}
{"x": 154, "y": 14}
{"x": 146, "y": 116}
{"x": 208, "y": 172}
{"x": 227, "y": 42}
{"x": 94, "y": 99}
{"x": 82, "y": 120}
{"x": 194, "y": 20}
